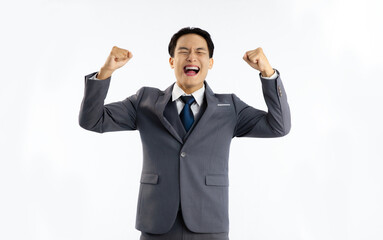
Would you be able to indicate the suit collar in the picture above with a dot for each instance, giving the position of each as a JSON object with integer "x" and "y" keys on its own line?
{"x": 211, "y": 102}
{"x": 198, "y": 95}
{"x": 165, "y": 97}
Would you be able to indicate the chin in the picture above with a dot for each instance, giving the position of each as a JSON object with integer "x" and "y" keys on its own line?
{"x": 192, "y": 82}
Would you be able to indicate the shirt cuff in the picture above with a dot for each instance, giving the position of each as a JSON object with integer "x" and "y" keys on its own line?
{"x": 94, "y": 77}
{"x": 272, "y": 77}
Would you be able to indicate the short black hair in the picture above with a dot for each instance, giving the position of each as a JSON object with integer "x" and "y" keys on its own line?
{"x": 187, "y": 30}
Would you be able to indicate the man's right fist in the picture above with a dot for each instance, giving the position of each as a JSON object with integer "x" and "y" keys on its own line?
{"x": 117, "y": 58}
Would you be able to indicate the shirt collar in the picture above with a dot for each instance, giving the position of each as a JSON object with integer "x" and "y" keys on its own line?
{"x": 198, "y": 95}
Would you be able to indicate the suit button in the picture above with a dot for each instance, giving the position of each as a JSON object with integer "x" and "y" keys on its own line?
{"x": 183, "y": 154}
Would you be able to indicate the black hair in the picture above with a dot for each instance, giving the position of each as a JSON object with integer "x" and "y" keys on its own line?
{"x": 187, "y": 30}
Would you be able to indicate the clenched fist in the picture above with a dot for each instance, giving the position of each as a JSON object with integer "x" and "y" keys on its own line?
{"x": 117, "y": 58}
{"x": 257, "y": 60}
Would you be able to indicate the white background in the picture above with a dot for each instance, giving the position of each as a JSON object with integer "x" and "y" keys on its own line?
{"x": 322, "y": 181}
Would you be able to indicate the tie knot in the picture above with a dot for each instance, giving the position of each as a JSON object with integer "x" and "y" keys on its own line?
{"x": 188, "y": 100}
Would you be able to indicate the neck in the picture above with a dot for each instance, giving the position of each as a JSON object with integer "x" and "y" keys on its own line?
{"x": 189, "y": 90}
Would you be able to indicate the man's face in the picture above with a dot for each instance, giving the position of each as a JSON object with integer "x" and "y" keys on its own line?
{"x": 191, "y": 62}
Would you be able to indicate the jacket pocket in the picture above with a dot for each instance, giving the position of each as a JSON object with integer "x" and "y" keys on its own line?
{"x": 149, "y": 178}
{"x": 217, "y": 180}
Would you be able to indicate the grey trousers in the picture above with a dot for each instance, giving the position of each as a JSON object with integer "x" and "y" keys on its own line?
{"x": 179, "y": 231}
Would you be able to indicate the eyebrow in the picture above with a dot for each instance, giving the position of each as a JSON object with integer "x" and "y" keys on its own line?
{"x": 185, "y": 48}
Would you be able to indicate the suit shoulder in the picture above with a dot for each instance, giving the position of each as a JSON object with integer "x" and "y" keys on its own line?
{"x": 149, "y": 90}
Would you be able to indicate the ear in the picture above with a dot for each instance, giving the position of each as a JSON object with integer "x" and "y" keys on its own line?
{"x": 171, "y": 62}
{"x": 211, "y": 61}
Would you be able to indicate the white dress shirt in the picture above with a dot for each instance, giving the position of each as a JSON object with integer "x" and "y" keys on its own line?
{"x": 198, "y": 95}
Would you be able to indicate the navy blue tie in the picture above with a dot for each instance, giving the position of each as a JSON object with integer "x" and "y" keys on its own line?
{"x": 186, "y": 115}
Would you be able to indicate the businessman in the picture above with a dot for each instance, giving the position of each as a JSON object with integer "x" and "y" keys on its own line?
{"x": 186, "y": 131}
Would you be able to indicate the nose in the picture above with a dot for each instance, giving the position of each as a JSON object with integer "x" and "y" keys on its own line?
{"x": 191, "y": 57}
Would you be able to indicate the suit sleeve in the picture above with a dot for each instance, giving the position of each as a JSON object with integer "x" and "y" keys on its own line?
{"x": 252, "y": 122}
{"x": 116, "y": 116}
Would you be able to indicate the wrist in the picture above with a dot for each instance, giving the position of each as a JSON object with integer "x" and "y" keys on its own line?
{"x": 268, "y": 72}
{"x": 104, "y": 73}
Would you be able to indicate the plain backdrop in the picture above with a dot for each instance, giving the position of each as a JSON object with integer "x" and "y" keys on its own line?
{"x": 322, "y": 181}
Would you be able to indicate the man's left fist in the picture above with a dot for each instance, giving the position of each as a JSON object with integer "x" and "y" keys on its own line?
{"x": 257, "y": 60}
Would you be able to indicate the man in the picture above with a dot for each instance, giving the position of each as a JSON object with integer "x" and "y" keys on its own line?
{"x": 186, "y": 132}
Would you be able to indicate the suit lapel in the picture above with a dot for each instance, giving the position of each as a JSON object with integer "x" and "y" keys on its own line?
{"x": 171, "y": 114}
{"x": 211, "y": 107}
{"x": 160, "y": 105}
{"x": 163, "y": 100}
{"x": 196, "y": 120}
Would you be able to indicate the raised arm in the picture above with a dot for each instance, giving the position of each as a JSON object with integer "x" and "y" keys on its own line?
{"x": 117, "y": 116}
{"x": 252, "y": 122}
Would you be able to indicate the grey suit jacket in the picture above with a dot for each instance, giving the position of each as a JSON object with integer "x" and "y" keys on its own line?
{"x": 187, "y": 169}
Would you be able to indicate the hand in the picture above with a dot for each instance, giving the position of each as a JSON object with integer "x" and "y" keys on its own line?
{"x": 257, "y": 60}
{"x": 117, "y": 58}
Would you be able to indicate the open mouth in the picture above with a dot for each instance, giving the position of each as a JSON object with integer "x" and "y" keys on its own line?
{"x": 191, "y": 70}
